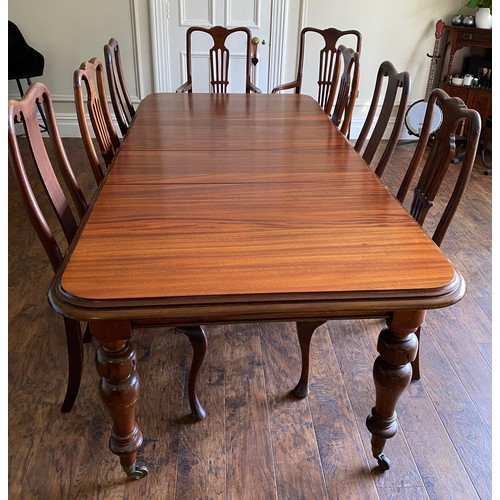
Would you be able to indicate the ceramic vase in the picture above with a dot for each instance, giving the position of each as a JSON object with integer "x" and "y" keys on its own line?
{"x": 483, "y": 18}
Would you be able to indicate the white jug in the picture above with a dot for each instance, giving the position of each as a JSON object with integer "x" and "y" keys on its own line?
{"x": 468, "y": 80}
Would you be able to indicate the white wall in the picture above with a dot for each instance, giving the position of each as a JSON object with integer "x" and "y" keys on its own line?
{"x": 68, "y": 32}
{"x": 399, "y": 31}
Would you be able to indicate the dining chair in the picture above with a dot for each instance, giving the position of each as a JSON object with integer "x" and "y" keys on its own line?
{"x": 25, "y": 111}
{"x": 120, "y": 98}
{"x": 24, "y": 63}
{"x": 219, "y": 57}
{"x": 90, "y": 76}
{"x": 397, "y": 84}
{"x": 344, "y": 91}
{"x": 327, "y": 57}
{"x": 434, "y": 163}
{"x": 456, "y": 116}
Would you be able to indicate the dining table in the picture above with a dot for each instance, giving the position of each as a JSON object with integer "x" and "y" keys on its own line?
{"x": 240, "y": 208}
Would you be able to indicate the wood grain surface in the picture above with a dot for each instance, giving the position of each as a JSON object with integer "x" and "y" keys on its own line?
{"x": 242, "y": 198}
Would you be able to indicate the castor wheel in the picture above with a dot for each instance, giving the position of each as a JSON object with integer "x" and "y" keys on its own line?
{"x": 136, "y": 472}
{"x": 383, "y": 462}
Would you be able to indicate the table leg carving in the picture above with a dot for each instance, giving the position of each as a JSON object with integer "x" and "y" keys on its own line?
{"x": 119, "y": 389}
{"x": 305, "y": 330}
{"x": 397, "y": 346}
{"x": 198, "y": 339}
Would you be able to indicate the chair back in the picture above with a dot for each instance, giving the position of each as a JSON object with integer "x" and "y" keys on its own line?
{"x": 120, "y": 99}
{"x": 344, "y": 90}
{"x": 23, "y": 60}
{"x": 25, "y": 111}
{"x": 457, "y": 118}
{"x": 90, "y": 76}
{"x": 398, "y": 84}
{"x": 219, "y": 57}
{"x": 327, "y": 57}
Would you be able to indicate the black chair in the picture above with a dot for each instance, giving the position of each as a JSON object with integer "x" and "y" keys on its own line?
{"x": 24, "y": 63}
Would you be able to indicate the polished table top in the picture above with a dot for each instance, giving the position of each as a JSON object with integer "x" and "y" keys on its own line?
{"x": 245, "y": 199}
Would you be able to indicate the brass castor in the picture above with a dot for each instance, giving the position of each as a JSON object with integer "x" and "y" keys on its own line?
{"x": 383, "y": 462}
{"x": 136, "y": 471}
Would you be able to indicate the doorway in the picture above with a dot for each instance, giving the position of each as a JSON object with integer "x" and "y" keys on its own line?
{"x": 169, "y": 21}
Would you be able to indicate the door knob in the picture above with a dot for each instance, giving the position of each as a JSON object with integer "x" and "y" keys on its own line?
{"x": 256, "y": 40}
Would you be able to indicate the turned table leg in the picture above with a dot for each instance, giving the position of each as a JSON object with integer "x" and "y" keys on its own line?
{"x": 119, "y": 390}
{"x": 392, "y": 371}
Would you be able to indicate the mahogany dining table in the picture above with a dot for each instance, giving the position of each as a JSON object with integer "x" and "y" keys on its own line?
{"x": 228, "y": 208}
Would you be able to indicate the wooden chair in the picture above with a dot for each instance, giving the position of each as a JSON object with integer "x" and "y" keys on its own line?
{"x": 395, "y": 81}
{"x": 120, "y": 99}
{"x": 347, "y": 81}
{"x": 25, "y": 111}
{"x": 456, "y": 117}
{"x": 327, "y": 57}
{"x": 219, "y": 59}
{"x": 90, "y": 75}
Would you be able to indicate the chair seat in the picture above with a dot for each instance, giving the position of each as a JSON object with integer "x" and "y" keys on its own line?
{"x": 24, "y": 61}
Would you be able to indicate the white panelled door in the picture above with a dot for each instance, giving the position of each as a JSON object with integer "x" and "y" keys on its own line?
{"x": 254, "y": 14}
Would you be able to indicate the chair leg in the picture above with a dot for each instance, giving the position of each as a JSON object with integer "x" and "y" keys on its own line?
{"x": 87, "y": 336}
{"x": 415, "y": 364}
{"x": 198, "y": 339}
{"x": 74, "y": 343}
{"x": 305, "y": 330}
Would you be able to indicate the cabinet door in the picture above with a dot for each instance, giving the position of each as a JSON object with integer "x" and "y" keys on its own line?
{"x": 456, "y": 91}
{"x": 481, "y": 101}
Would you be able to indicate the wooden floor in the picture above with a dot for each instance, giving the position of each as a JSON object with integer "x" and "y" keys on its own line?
{"x": 257, "y": 441}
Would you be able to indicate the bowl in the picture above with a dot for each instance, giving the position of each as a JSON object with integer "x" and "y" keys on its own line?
{"x": 457, "y": 80}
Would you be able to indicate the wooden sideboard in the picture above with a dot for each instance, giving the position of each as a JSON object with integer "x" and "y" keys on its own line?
{"x": 466, "y": 50}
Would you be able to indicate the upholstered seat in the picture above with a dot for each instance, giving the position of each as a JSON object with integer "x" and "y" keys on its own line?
{"x": 24, "y": 63}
